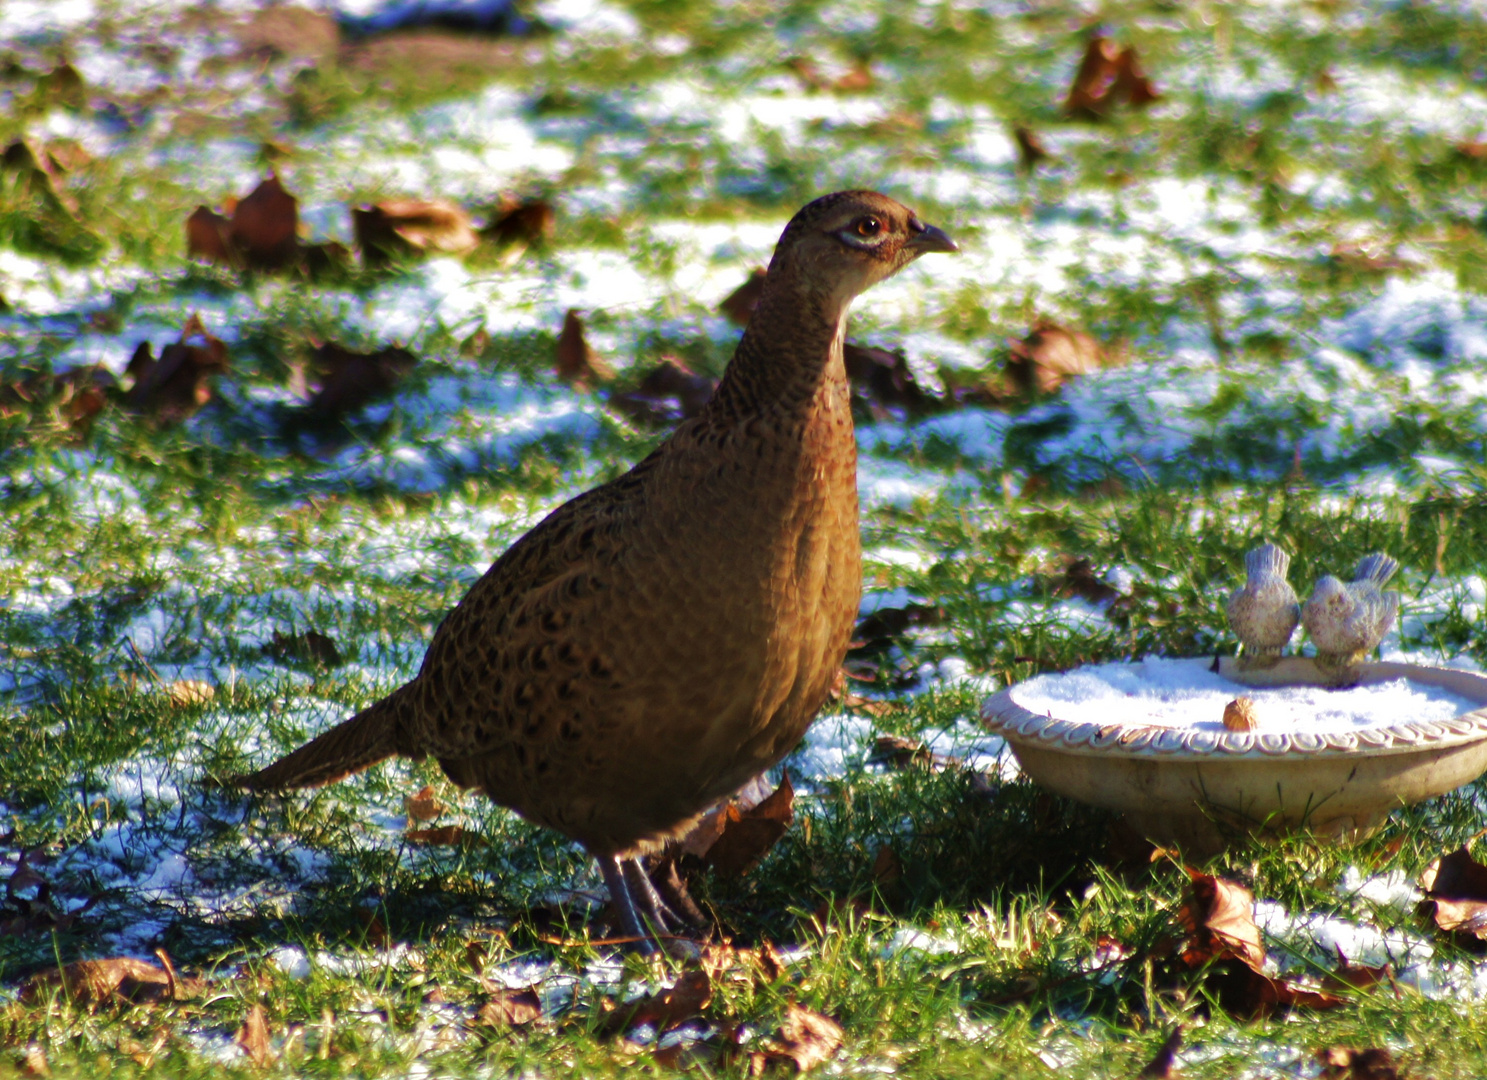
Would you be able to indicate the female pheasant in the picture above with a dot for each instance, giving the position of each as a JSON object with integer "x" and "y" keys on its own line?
{"x": 657, "y": 641}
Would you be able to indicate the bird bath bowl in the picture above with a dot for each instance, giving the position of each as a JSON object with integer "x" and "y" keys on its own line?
{"x": 1179, "y": 776}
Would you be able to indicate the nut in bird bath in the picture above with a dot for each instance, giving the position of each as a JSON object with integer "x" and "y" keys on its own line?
{"x": 1240, "y": 714}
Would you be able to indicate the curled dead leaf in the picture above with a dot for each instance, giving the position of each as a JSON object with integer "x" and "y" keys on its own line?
{"x": 310, "y": 647}
{"x": 1031, "y": 151}
{"x": 1050, "y": 355}
{"x": 180, "y": 382}
{"x": 1108, "y": 76}
{"x": 740, "y": 303}
{"x": 576, "y": 362}
{"x": 1219, "y": 916}
{"x": 423, "y": 806}
{"x": 1455, "y": 888}
{"x": 402, "y": 227}
{"x": 521, "y": 221}
{"x": 665, "y": 1009}
{"x": 349, "y": 381}
{"x": 1340, "y": 1063}
{"x": 1241, "y": 715}
{"x": 119, "y": 978}
{"x": 883, "y": 381}
{"x": 669, "y": 392}
{"x": 746, "y": 836}
{"x": 447, "y": 836}
{"x": 510, "y": 1008}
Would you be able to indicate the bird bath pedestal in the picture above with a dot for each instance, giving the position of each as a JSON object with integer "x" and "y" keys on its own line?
{"x": 1192, "y": 782}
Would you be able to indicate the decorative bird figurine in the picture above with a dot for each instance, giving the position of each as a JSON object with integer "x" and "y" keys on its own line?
{"x": 657, "y": 641}
{"x": 1347, "y": 621}
{"x": 1264, "y": 612}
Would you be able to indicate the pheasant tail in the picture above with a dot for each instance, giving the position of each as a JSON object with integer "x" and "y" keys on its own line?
{"x": 350, "y": 746}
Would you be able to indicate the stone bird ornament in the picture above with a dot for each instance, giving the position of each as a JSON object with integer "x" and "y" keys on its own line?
{"x": 1347, "y": 621}
{"x": 1264, "y": 612}
{"x": 655, "y": 642}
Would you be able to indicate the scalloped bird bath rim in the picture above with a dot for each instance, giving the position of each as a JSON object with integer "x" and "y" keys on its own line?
{"x": 1200, "y": 789}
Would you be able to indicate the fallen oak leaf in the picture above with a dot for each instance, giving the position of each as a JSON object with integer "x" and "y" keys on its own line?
{"x": 1253, "y": 995}
{"x": 739, "y": 305}
{"x": 1350, "y": 976}
{"x": 447, "y": 836}
{"x": 349, "y": 381}
{"x": 746, "y": 836}
{"x": 1031, "y": 151}
{"x": 209, "y": 237}
{"x": 1455, "y": 887}
{"x": 423, "y": 806}
{"x": 883, "y": 380}
{"x": 119, "y": 978}
{"x": 310, "y": 647}
{"x": 669, "y": 392}
{"x": 402, "y": 227}
{"x": 1107, "y": 76}
{"x": 576, "y": 362}
{"x": 176, "y": 385}
{"x": 1050, "y": 355}
{"x": 684, "y": 1001}
{"x": 1219, "y": 916}
{"x": 265, "y": 226}
{"x": 806, "y": 1039}
{"x": 1341, "y": 1063}
{"x": 253, "y": 1038}
{"x": 506, "y": 1008}
{"x": 521, "y": 221}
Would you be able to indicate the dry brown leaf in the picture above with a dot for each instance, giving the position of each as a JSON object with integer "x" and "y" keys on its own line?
{"x": 1107, "y": 76}
{"x": 884, "y": 381}
{"x": 806, "y": 1038}
{"x": 1350, "y": 976}
{"x": 76, "y": 394}
{"x": 310, "y": 647}
{"x": 510, "y": 1008}
{"x": 1250, "y": 994}
{"x": 667, "y": 1008}
{"x": 748, "y": 835}
{"x": 1050, "y": 355}
{"x": 1340, "y": 1063}
{"x": 265, "y": 226}
{"x": 1163, "y": 1066}
{"x": 121, "y": 978}
{"x": 888, "y": 868}
{"x": 1219, "y": 916}
{"x": 209, "y": 237}
{"x": 521, "y": 221}
{"x": 576, "y": 361}
{"x": 447, "y": 836}
{"x": 374, "y": 928}
{"x": 180, "y": 382}
{"x": 401, "y": 227}
{"x": 669, "y": 392}
{"x": 1456, "y": 894}
{"x": 739, "y": 305}
{"x": 1030, "y": 149}
{"x": 349, "y": 381}
{"x": 423, "y": 806}
{"x": 253, "y": 1037}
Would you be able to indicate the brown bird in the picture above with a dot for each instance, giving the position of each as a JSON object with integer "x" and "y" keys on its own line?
{"x": 655, "y": 642}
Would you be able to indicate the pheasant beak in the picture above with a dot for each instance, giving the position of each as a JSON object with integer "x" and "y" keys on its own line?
{"x": 927, "y": 238}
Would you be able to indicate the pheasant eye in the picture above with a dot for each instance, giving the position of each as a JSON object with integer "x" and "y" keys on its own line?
{"x": 868, "y": 226}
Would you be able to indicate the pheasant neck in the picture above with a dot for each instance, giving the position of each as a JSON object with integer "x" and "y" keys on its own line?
{"x": 790, "y": 352}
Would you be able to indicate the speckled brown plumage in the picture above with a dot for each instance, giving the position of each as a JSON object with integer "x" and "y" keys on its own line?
{"x": 655, "y": 642}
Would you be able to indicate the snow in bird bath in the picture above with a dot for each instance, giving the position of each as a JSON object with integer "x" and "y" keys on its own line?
{"x": 1162, "y": 692}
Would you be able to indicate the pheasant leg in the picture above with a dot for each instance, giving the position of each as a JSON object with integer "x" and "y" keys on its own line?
{"x": 652, "y": 907}
{"x": 624, "y": 903}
